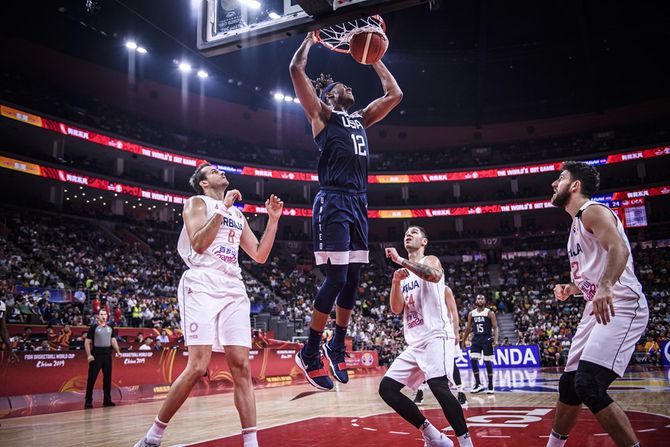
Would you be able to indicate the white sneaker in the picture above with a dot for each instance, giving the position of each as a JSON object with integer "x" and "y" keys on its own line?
{"x": 144, "y": 443}
{"x": 478, "y": 389}
{"x": 442, "y": 442}
{"x": 490, "y": 391}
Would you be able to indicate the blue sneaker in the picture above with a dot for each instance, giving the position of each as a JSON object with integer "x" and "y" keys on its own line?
{"x": 337, "y": 363}
{"x": 312, "y": 368}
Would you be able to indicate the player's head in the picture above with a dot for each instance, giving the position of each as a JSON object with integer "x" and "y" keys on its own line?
{"x": 576, "y": 177}
{"x": 333, "y": 93}
{"x": 480, "y": 300}
{"x": 207, "y": 177}
{"x": 416, "y": 238}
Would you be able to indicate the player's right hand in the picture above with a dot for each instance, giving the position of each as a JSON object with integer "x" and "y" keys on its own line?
{"x": 311, "y": 36}
{"x": 231, "y": 197}
{"x": 563, "y": 291}
{"x": 399, "y": 275}
{"x": 91, "y": 358}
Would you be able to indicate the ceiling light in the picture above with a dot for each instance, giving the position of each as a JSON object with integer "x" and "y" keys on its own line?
{"x": 296, "y": 100}
{"x": 279, "y": 96}
{"x": 184, "y": 67}
{"x": 131, "y": 45}
{"x": 202, "y": 74}
{"x": 288, "y": 98}
{"x": 141, "y": 50}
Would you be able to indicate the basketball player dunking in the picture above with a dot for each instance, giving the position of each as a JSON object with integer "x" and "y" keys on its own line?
{"x": 484, "y": 340}
{"x": 418, "y": 292}
{"x": 340, "y": 219}
{"x": 213, "y": 301}
{"x": 615, "y": 315}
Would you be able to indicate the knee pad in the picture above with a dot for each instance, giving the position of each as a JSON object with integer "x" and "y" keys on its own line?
{"x": 347, "y": 296}
{"x": 591, "y": 383}
{"x": 336, "y": 278}
{"x": 566, "y": 389}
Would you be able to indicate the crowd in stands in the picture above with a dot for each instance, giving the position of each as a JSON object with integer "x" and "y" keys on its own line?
{"x": 97, "y": 114}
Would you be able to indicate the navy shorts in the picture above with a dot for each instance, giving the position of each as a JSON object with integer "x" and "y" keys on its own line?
{"x": 340, "y": 227}
{"x": 481, "y": 344}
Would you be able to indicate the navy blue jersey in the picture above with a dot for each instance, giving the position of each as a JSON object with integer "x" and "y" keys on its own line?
{"x": 343, "y": 147}
{"x": 481, "y": 323}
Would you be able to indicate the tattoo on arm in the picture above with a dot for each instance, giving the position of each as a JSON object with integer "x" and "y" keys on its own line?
{"x": 423, "y": 271}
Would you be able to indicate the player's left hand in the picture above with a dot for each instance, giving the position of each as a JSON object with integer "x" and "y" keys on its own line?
{"x": 603, "y": 306}
{"x": 393, "y": 255}
{"x": 274, "y": 206}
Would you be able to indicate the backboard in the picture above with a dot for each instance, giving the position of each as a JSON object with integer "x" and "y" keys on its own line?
{"x": 225, "y": 26}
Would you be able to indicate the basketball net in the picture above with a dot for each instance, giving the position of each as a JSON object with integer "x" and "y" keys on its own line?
{"x": 337, "y": 37}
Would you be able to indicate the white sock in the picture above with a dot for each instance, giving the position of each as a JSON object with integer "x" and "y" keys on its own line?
{"x": 155, "y": 433}
{"x": 459, "y": 388}
{"x": 249, "y": 437}
{"x": 556, "y": 440}
{"x": 430, "y": 433}
{"x": 465, "y": 440}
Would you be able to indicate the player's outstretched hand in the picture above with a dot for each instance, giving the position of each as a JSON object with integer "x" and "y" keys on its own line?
{"x": 393, "y": 255}
{"x": 274, "y": 206}
{"x": 311, "y": 37}
{"x": 603, "y": 306}
{"x": 563, "y": 291}
{"x": 399, "y": 275}
{"x": 231, "y": 197}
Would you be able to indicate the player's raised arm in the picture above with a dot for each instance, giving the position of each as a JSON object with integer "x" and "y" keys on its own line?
{"x": 380, "y": 107}
{"x": 201, "y": 231}
{"x": 601, "y": 222}
{"x": 450, "y": 301}
{"x": 315, "y": 109}
{"x": 494, "y": 327}
{"x": 397, "y": 301}
{"x": 259, "y": 251}
{"x": 429, "y": 270}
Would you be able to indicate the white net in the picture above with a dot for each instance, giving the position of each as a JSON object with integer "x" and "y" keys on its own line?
{"x": 337, "y": 37}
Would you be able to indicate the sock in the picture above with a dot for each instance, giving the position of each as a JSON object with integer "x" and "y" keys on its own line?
{"x": 430, "y": 433}
{"x": 313, "y": 342}
{"x": 337, "y": 341}
{"x": 155, "y": 433}
{"x": 465, "y": 441}
{"x": 556, "y": 440}
{"x": 249, "y": 437}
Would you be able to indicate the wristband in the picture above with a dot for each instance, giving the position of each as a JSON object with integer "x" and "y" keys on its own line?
{"x": 401, "y": 260}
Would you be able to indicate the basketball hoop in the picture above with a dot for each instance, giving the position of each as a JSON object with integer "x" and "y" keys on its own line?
{"x": 337, "y": 37}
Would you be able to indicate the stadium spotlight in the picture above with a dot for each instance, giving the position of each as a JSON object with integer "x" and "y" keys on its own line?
{"x": 296, "y": 100}
{"x": 274, "y": 16}
{"x": 202, "y": 74}
{"x": 184, "y": 67}
{"x": 288, "y": 98}
{"x": 141, "y": 50}
{"x": 253, "y": 4}
{"x": 131, "y": 45}
{"x": 279, "y": 96}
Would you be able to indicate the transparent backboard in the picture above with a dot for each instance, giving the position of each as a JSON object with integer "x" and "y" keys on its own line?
{"x": 225, "y": 26}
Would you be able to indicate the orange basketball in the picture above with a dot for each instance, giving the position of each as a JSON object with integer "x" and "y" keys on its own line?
{"x": 368, "y": 47}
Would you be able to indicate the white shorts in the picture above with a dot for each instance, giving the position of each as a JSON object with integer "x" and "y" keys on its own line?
{"x": 417, "y": 364}
{"x": 214, "y": 309}
{"x": 610, "y": 345}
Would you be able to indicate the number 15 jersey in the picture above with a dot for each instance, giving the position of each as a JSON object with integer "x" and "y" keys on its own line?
{"x": 344, "y": 157}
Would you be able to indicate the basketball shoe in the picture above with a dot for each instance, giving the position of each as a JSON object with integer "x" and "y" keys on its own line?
{"x": 418, "y": 397}
{"x": 312, "y": 368}
{"x": 442, "y": 442}
{"x": 338, "y": 365}
{"x": 144, "y": 443}
{"x": 478, "y": 389}
{"x": 462, "y": 399}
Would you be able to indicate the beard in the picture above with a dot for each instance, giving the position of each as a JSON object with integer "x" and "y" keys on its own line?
{"x": 561, "y": 199}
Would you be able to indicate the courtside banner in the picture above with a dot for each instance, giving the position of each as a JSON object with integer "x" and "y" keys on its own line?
{"x": 521, "y": 356}
{"x": 665, "y": 351}
{"x": 429, "y": 177}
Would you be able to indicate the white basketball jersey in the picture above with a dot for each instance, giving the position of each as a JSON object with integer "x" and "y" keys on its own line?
{"x": 222, "y": 253}
{"x": 425, "y": 314}
{"x": 588, "y": 259}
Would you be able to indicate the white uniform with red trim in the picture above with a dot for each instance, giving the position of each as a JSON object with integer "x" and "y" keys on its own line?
{"x": 610, "y": 345}
{"x": 429, "y": 332}
{"x": 213, "y": 301}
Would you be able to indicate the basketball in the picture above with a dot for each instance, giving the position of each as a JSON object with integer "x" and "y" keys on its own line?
{"x": 368, "y": 47}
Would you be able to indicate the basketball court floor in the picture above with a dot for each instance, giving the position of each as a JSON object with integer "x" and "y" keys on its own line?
{"x": 519, "y": 414}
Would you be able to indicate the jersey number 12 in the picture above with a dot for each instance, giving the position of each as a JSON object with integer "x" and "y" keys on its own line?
{"x": 359, "y": 145}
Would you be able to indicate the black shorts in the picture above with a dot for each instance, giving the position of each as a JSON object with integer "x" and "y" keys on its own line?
{"x": 481, "y": 345}
{"x": 340, "y": 227}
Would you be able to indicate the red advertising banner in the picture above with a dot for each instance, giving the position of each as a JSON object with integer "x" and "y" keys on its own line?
{"x": 158, "y": 154}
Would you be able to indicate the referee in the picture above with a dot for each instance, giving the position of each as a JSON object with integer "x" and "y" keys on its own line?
{"x": 99, "y": 342}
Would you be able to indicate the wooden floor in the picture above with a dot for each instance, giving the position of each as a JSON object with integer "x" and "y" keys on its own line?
{"x": 213, "y": 417}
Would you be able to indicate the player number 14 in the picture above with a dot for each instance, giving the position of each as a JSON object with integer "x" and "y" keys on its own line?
{"x": 359, "y": 145}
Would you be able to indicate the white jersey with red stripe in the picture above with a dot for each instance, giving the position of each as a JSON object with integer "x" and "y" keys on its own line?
{"x": 588, "y": 259}
{"x": 222, "y": 254}
{"x": 425, "y": 313}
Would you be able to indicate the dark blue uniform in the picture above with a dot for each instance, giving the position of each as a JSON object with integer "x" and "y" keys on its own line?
{"x": 482, "y": 333}
{"x": 340, "y": 211}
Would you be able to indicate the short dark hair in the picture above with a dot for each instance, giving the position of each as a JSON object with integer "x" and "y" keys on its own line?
{"x": 198, "y": 176}
{"x": 586, "y": 174}
{"x": 423, "y": 231}
{"x": 322, "y": 82}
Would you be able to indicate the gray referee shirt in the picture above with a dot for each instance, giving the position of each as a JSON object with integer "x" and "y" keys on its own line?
{"x": 101, "y": 337}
